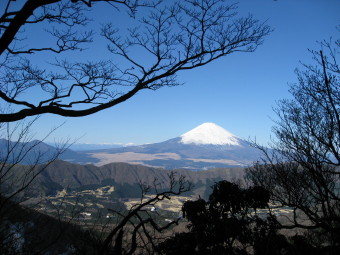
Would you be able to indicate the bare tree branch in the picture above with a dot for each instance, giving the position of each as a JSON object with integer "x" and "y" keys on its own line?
{"x": 172, "y": 38}
{"x": 302, "y": 171}
{"x": 177, "y": 186}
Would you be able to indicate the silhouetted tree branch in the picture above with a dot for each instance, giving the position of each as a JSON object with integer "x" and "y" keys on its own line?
{"x": 230, "y": 222}
{"x": 146, "y": 224}
{"x": 176, "y": 37}
{"x": 302, "y": 169}
{"x": 22, "y": 160}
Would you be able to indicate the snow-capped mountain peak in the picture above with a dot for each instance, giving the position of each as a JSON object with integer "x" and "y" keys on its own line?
{"x": 209, "y": 133}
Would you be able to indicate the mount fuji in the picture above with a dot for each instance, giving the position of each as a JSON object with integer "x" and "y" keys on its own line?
{"x": 209, "y": 133}
{"x": 206, "y": 146}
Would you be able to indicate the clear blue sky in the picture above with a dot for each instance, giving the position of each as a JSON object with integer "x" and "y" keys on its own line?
{"x": 237, "y": 92}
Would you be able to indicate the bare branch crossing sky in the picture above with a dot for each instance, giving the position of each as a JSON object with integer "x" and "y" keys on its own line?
{"x": 236, "y": 92}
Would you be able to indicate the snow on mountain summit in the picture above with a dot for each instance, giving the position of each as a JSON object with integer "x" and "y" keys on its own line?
{"x": 209, "y": 133}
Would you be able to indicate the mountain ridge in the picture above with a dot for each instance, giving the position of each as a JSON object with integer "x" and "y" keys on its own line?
{"x": 204, "y": 147}
{"x": 65, "y": 175}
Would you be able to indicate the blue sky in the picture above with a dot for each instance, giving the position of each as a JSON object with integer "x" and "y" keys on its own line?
{"x": 237, "y": 92}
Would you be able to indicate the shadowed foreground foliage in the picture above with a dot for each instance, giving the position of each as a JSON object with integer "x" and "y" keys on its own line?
{"x": 26, "y": 231}
{"x": 230, "y": 222}
{"x": 234, "y": 220}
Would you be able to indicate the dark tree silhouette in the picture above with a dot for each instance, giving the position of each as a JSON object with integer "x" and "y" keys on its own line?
{"x": 135, "y": 232}
{"x": 302, "y": 169}
{"x": 21, "y": 161}
{"x": 228, "y": 223}
{"x": 186, "y": 35}
{"x": 15, "y": 179}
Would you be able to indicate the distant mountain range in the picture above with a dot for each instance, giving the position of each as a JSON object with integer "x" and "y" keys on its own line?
{"x": 204, "y": 147}
{"x": 30, "y": 153}
{"x": 124, "y": 177}
{"x": 92, "y": 146}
